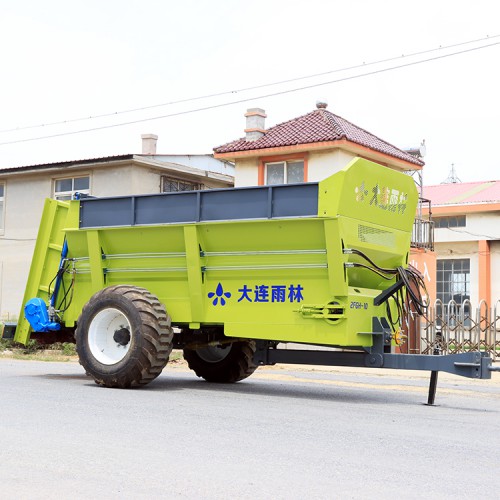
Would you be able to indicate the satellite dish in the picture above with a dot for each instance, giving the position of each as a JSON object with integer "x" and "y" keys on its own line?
{"x": 422, "y": 149}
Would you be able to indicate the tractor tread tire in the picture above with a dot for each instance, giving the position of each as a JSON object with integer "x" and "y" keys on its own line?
{"x": 236, "y": 366}
{"x": 155, "y": 338}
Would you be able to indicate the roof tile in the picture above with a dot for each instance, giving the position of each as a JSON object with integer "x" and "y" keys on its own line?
{"x": 318, "y": 126}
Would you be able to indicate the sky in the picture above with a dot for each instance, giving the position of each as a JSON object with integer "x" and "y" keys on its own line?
{"x": 66, "y": 61}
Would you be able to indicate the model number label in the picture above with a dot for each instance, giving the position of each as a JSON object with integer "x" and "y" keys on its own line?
{"x": 359, "y": 305}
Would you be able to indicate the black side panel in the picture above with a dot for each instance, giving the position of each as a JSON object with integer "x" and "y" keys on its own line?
{"x": 182, "y": 207}
{"x": 106, "y": 212}
{"x": 234, "y": 204}
{"x": 294, "y": 200}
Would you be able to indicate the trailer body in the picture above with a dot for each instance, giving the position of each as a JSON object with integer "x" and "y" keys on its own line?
{"x": 272, "y": 264}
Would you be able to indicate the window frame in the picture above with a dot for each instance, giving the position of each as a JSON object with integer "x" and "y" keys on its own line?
{"x": 63, "y": 195}
{"x": 449, "y": 221}
{"x": 286, "y": 164}
{"x": 265, "y": 160}
{"x": 197, "y": 186}
{"x": 455, "y": 268}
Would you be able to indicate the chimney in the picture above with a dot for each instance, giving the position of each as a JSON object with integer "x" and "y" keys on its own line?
{"x": 255, "y": 128}
{"x": 149, "y": 144}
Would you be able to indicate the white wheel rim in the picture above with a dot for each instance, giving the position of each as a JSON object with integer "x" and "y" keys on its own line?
{"x": 213, "y": 354}
{"x": 107, "y": 337}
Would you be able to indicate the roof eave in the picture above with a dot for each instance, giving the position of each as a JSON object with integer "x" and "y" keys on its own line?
{"x": 464, "y": 208}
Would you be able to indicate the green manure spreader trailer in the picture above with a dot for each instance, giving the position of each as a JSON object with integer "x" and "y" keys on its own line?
{"x": 231, "y": 275}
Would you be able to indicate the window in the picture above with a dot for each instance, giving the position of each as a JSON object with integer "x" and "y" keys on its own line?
{"x": 170, "y": 185}
{"x": 455, "y": 221}
{"x": 2, "y": 204}
{"x": 453, "y": 280}
{"x": 284, "y": 172}
{"x": 65, "y": 189}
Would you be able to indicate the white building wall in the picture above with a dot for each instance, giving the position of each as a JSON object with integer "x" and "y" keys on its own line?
{"x": 325, "y": 163}
{"x": 24, "y": 199}
{"x": 484, "y": 226}
{"x": 452, "y": 235}
{"x": 247, "y": 172}
{"x": 125, "y": 180}
{"x": 14, "y": 266}
{"x": 478, "y": 226}
{"x": 114, "y": 181}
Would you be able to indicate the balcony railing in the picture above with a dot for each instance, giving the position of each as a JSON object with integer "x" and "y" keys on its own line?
{"x": 423, "y": 227}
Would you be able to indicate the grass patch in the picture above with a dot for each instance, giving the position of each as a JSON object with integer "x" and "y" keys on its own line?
{"x": 5, "y": 344}
{"x": 34, "y": 350}
{"x": 42, "y": 356}
{"x": 66, "y": 348}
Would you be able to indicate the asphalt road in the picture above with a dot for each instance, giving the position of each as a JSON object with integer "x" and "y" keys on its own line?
{"x": 281, "y": 434}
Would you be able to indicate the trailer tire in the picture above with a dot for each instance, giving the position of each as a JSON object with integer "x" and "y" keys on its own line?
{"x": 123, "y": 337}
{"x": 225, "y": 364}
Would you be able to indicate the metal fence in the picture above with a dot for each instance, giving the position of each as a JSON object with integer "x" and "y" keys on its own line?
{"x": 452, "y": 328}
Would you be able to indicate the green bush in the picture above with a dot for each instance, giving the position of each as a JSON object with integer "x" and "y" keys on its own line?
{"x": 69, "y": 349}
{"x": 56, "y": 346}
{"x": 5, "y": 344}
{"x": 31, "y": 346}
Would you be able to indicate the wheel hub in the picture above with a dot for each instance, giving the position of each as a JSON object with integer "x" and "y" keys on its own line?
{"x": 122, "y": 336}
{"x": 214, "y": 354}
{"x": 109, "y": 336}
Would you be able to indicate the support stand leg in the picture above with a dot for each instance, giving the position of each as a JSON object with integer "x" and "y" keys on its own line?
{"x": 432, "y": 389}
{"x": 434, "y": 380}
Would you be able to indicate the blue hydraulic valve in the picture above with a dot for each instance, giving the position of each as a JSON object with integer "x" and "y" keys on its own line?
{"x": 37, "y": 314}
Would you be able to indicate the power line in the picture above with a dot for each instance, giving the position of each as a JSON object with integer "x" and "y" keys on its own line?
{"x": 18, "y": 239}
{"x": 464, "y": 231}
{"x": 239, "y": 101}
{"x": 246, "y": 89}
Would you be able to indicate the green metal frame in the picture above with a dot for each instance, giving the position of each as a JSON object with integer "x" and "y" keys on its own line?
{"x": 275, "y": 279}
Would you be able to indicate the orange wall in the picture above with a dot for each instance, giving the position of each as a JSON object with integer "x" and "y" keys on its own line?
{"x": 425, "y": 262}
{"x": 484, "y": 271}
